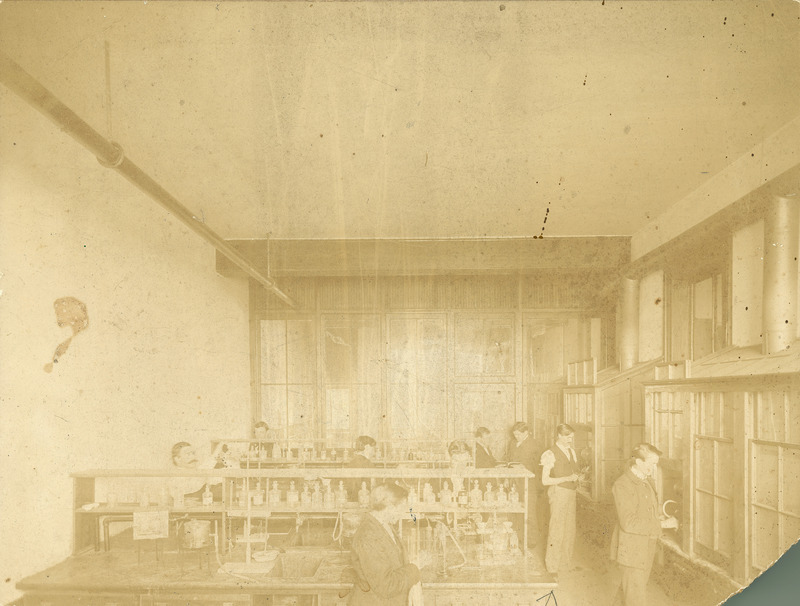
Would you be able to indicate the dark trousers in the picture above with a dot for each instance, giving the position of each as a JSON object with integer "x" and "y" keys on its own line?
{"x": 633, "y": 587}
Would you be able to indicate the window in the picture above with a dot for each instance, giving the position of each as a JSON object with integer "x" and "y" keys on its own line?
{"x": 668, "y": 408}
{"x": 774, "y": 473}
{"x": 698, "y": 317}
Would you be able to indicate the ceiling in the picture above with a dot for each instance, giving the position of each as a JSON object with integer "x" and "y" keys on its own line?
{"x": 419, "y": 119}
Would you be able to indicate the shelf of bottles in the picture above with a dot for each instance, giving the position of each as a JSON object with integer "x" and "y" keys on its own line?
{"x": 255, "y": 454}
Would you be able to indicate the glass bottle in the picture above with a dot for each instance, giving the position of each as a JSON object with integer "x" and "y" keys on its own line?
{"x": 292, "y": 498}
{"x": 275, "y": 494}
{"x": 475, "y": 495}
{"x": 489, "y": 498}
{"x": 341, "y": 495}
{"x": 316, "y": 496}
{"x": 502, "y": 497}
{"x": 513, "y": 496}
{"x": 363, "y": 495}
{"x": 305, "y": 497}
{"x": 258, "y": 496}
{"x": 328, "y": 497}
{"x": 446, "y": 495}
{"x": 208, "y": 497}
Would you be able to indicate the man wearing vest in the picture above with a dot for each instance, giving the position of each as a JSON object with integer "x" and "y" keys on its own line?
{"x": 560, "y": 473}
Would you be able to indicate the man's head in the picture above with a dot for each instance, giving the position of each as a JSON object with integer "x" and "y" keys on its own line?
{"x": 565, "y": 435}
{"x": 644, "y": 459}
{"x": 520, "y": 430}
{"x": 482, "y": 433}
{"x": 389, "y": 501}
{"x": 365, "y": 445}
{"x": 183, "y": 456}
{"x": 260, "y": 430}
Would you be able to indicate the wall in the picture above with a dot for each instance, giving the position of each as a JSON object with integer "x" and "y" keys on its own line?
{"x": 651, "y": 316}
{"x": 165, "y": 356}
{"x": 748, "y": 284}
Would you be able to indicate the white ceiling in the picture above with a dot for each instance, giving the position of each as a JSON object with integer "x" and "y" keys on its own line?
{"x": 420, "y": 120}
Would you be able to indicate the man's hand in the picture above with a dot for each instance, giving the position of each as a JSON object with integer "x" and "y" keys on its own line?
{"x": 670, "y": 523}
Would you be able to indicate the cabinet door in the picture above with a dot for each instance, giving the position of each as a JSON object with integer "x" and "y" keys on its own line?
{"x": 81, "y": 600}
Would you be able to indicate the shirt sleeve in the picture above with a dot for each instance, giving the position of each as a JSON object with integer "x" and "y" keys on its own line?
{"x": 548, "y": 459}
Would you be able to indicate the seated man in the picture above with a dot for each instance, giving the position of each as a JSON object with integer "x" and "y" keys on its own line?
{"x": 185, "y": 457}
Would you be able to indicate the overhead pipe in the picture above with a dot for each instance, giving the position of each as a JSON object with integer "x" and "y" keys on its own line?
{"x": 110, "y": 154}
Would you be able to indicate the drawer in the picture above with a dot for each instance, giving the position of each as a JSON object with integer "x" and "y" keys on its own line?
{"x": 197, "y": 599}
{"x": 83, "y": 599}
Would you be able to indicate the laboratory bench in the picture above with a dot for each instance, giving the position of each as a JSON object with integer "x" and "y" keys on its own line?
{"x": 302, "y": 576}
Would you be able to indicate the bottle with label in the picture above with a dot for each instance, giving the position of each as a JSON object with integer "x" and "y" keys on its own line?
{"x": 208, "y": 496}
{"x": 305, "y": 497}
{"x": 446, "y": 495}
{"x": 363, "y": 495}
{"x": 341, "y": 495}
{"x": 412, "y": 497}
{"x": 475, "y": 495}
{"x": 292, "y": 497}
{"x": 489, "y": 498}
{"x": 258, "y": 495}
{"x": 463, "y": 499}
{"x": 316, "y": 496}
{"x": 275, "y": 495}
{"x": 502, "y": 497}
{"x": 428, "y": 495}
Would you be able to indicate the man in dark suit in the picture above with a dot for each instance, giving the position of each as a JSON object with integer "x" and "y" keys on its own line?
{"x": 383, "y": 574}
{"x": 639, "y": 524}
{"x": 483, "y": 453}
{"x": 522, "y": 450}
{"x": 365, "y": 449}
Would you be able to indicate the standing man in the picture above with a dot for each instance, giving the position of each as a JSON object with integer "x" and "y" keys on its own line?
{"x": 560, "y": 475}
{"x": 522, "y": 450}
{"x": 483, "y": 452}
{"x": 639, "y": 524}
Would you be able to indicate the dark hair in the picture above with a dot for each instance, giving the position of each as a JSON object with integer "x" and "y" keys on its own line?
{"x": 482, "y": 431}
{"x": 261, "y": 424}
{"x": 641, "y": 451}
{"x": 384, "y": 495}
{"x": 521, "y": 427}
{"x": 458, "y": 447}
{"x": 362, "y": 442}
{"x": 176, "y": 449}
{"x": 564, "y": 430}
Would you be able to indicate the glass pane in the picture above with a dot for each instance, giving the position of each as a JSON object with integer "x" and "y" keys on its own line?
{"x": 301, "y": 413}
{"x": 368, "y": 410}
{"x": 273, "y": 351}
{"x": 337, "y": 402}
{"x": 433, "y": 349}
{"x": 339, "y": 354}
{"x": 301, "y": 352}
{"x": 765, "y": 476}
{"x": 770, "y": 417}
{"x": 727, "y": 419}
{"x": 725, "y": 470}
{"x": 499, "y": 347}
{"x": 431, "y": 412}
{"x": 662, "y": 420}
{"x": 793, "y": 424}
{"x": 765, "y": 537}
{"x": 274, "y": 409}
{"x": 704, "y": 519}
{"x": 791, "y": 480}
{"x": 724, "y": 526}
{"x": 702, "y": 325}
{"x": 368, "y": 349}
{"x": 704, "y": 465}
{"x": 791, "y": 531}
{"x": 402, "y": 412}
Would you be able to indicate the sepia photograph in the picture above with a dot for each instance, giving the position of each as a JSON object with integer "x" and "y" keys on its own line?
{"x": 399, "y": 303}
